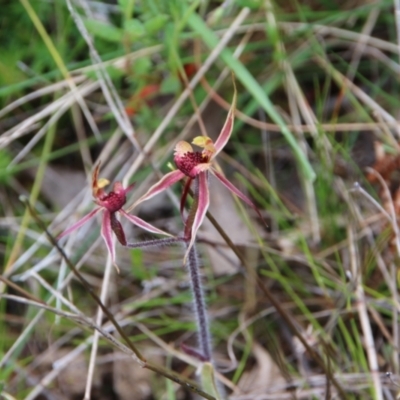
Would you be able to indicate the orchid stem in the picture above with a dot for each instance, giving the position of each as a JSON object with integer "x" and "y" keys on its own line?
{"x": 155, "y": 242}
{"x": 192, "y": 263}
{"x": 203, "y": 330}
{"x": 204, "y": 335}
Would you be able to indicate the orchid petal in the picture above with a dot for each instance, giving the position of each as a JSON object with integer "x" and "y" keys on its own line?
{"x": 206, "y": 143}
{"x": 226, "y": 131}
{"x": 203, "y": 201}
{"x": 102, "y": 183}
{"x": 130, "y": 187}
{"x": 202, "y": 141}
{"x": 143, "y": 224}
{"x": 165, "y": 182}
{"x": 200, "y": 168}
{"x": 78, "y": 224}
{"x": 184, "y": 195}
{"x": 117, "y": 229}
{"x": 237, "y": 192}
{"x": 106, "y": 233}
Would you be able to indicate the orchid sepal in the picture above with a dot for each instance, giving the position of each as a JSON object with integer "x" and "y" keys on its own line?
{"x": 226, "y": 130}
{"x": 79, "y": 223}
{"x": 203, "y": 202}
{"x": 106, "y": 233}
{"x": 143, "y": 224}
{"x": 236, "y": 192}
{"x": 184, "y": 196}
{"x": 164, "y": 183}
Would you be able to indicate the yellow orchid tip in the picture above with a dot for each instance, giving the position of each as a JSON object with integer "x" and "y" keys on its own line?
{"x": 202, "y": 141}
{"x": 102, "y": 182}
{"x": 206, "y": 143}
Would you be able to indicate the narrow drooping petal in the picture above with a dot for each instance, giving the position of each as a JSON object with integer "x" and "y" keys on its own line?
{"x": 236, "y": 191}
{"x": 106, "y": 233}
{"x": 184, "y": 195}
{"x": 117, "y": 229}
{"x": 226, "y": 131}
{"x": 143, "y": 224}
{"x": 202, "y": 207}
{"x": 78, "y": 224}
{"x": 164, "y": 183}
{"x": 130, "y": 187}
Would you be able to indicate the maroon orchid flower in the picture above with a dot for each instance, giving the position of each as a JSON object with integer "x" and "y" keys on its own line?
{"x": 111, "y": 203}
{"x": 196, "y": 166}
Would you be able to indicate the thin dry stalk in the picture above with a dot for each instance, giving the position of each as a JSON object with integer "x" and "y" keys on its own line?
{"x": 17, "y": 131}
{"x": 81, "y": 135}
{"x": 293, "y": 27}
{"x": 362, "y": 42}
{"x": 397, "y": 17}
{"x": 385, "y": 134}
{"x": 363, "y": 315}
{"x": 391, "y": 215}
{"x": 392, "y": 218}
{"x": 103, "y": 298}
{"x": 55, "y": 87}
{"x": 296, "y": 102}
{"x": 242, "y": 328}
{"x": 307, "y": 185}
{"x": 345, "y": 83}
{"x": 383, "y": 58}
{"x": 390, "y": 277}
{"x": 56, "y": 293}
{"x": 22, "y": 338}
{"x": 110, "y": 93}
{"x": 60, "y": 64}
{"x": 306, "y": 128}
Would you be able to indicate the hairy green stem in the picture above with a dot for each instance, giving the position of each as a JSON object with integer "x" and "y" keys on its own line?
{"x": 203, "y": 329}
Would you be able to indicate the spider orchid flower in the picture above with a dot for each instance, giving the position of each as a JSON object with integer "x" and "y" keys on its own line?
{"x": 111, "y": 203}
{"x": 196, "y": 166}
